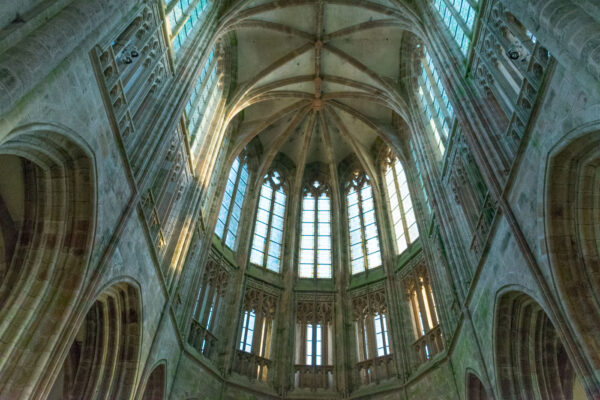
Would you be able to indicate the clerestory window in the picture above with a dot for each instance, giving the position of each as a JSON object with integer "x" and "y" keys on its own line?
{"x": 362, "y": 224}
{"x": 436, "y": 104}
{"x": 203, "y": 102}
{"x": 231, "y": 206}
{"x": 182, "y": 16}
{"x": 459, "y": 18}
{"x": 268, "y": 229}
{"x": 401, "y": 207}
{"x": 315, "y": 235}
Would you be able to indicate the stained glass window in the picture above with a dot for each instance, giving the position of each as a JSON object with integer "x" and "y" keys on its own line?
{"x": 231, "y": 206}
{"x": 401, "y": 208}
{"x": 182, "y": 17}
{"x": 315, "y": 234}
{"x": 268, "y": 229}
{"x": 362, "y": 225}
{"x": 459, "y": 18}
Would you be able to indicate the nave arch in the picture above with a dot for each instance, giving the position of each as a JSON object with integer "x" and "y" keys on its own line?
{"x": 47, "y": 222}
{"x": 530, "y": 359}
{"x": 102, "y": 360}
{"x": 572, "y": 212}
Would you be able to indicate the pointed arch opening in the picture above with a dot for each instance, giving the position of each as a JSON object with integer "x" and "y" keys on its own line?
{"x": 572, "y": 210}
{"x": 47, "y": 220}
{"x": 104, "y": 354}
{"x": 531, "y": 360}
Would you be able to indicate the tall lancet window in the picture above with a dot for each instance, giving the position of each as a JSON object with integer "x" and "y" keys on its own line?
{"x": 315, "y": 233}
{"x": 459, "y": 18}
{"x": 401, "y": 208}
{"x": 203, "y": 102}
{"x": 182, "y": 16}
{"x": 268, "y": 229}
{"x": 362, "y": 224}
{"x": 436, "y": 104}
{"x": 231, "y": 206}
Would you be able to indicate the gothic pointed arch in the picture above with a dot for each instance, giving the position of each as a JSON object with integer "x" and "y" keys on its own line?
{"x": 155, "y": 386}
{"x": 48, "y": 219}
{"x": 475, "y": 388}
{"x": 531, "y": 361}
{"x": 571, "y": 215}
{"x": 104, "y": 354}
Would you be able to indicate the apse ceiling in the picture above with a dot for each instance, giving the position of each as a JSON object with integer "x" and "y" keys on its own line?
{"x": 317, "y": 80}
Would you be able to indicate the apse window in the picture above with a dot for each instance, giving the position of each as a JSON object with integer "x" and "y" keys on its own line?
{"x": 425, "y": 319}
{"x": 402, "y": 212}
{"x": 231, "y": 206}
{"x": 439, "y": 113}
{"x": 315, "y": 233}
{"x": 268, "y": 229}
{"x": 381, "y": 335}
{"x": 362, "y": 224}
{"x": 247, "y": 337}
{"x": 314, "y": 343}
{"x": 182, "y": 16}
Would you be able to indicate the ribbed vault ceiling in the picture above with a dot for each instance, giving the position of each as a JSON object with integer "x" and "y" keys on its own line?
{"x": 316, "y": 80}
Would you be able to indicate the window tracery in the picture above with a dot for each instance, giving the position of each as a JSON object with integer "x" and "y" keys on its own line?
{"x": 425, "y": 318}
{"x": 256, "y": 331}
{"x": 207, "y": 308}
{"x": 233, "y": 200}
{"x": 374, "y": 361}
{"x": 315, "y": 259}
{"x": 268, "y": 229}
{"x": 314, "y": 341}
{"x": 510, "y": 67}
{"x": 402, "y": 213}
{"x": 362, "y": 224}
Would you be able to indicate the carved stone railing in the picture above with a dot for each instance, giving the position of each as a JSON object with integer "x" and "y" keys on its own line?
{"x": 314, "y": 376}
{"x": 429, "y": 345}
{"x": 376, "y": 370}
{"x": 252, "y": 366}
{"x": 202, "y": 340}
{"x": 484, "y": 224}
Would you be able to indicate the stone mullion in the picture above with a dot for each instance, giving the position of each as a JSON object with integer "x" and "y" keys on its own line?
{"x": 362, "y": 227}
